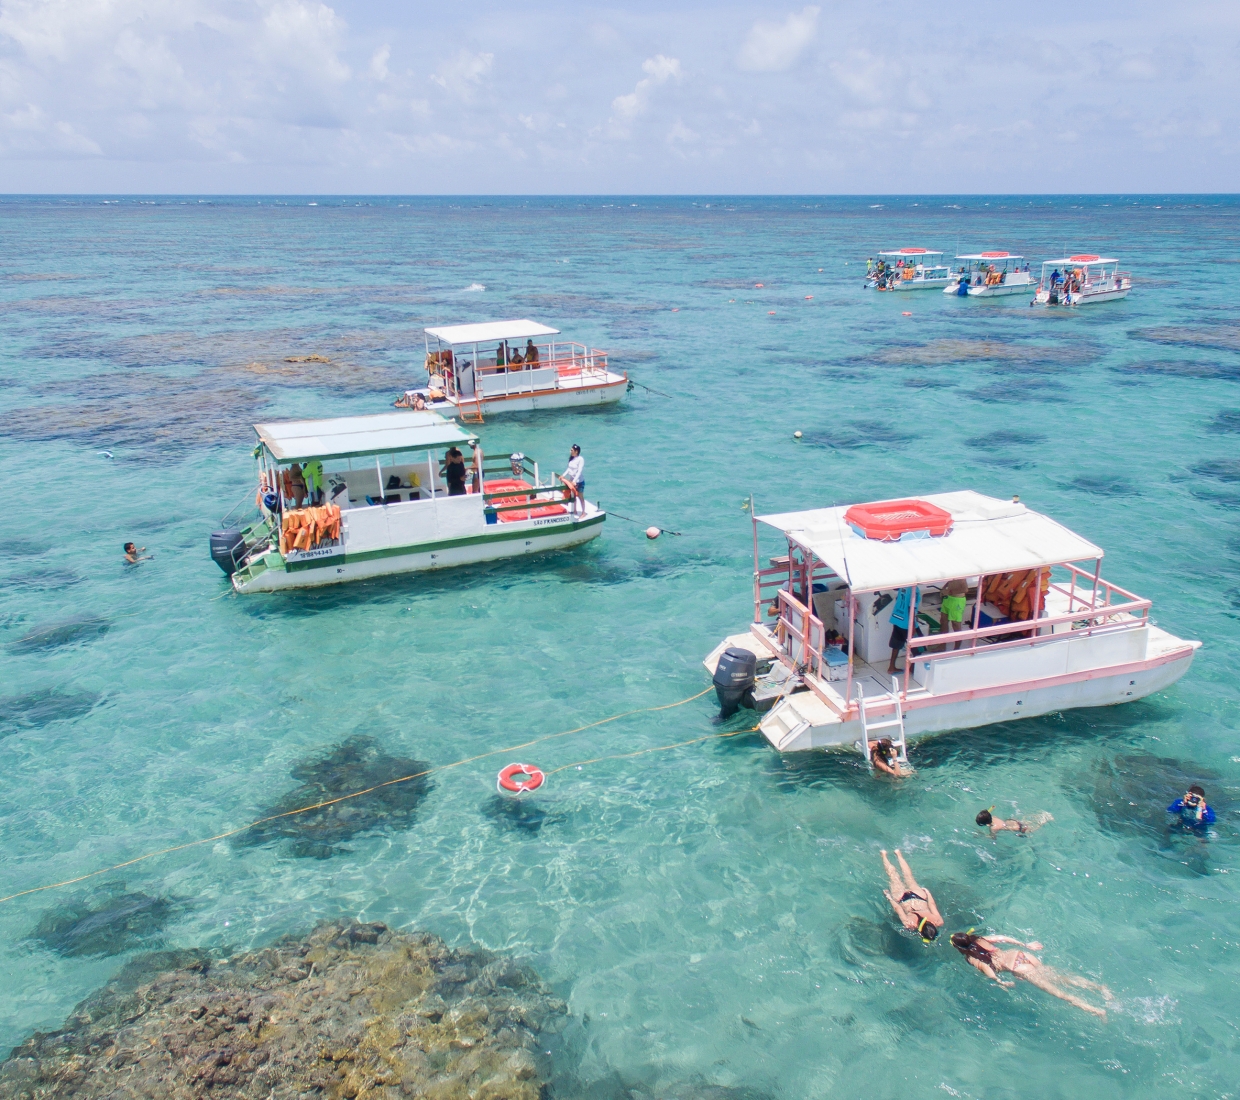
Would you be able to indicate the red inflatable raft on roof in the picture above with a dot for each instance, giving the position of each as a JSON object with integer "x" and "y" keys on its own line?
{"x": 893, "y": 520}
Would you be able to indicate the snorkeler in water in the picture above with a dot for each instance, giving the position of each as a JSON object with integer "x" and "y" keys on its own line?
{"x": 998, "y": 825}
{"x": 913, "y": 903}
{"x": 984, "y": 953}
{"x": 1193, "y": 809}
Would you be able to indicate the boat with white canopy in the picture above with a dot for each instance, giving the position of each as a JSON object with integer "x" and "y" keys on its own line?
{"x": 1080, "y": 280}
{"x": 1011, "y": 618}
{"x": 991, "y": 275}
{"x": 909, "y": 269}
{"x": 366, "y": 496}
{"x": 511, "y": 366}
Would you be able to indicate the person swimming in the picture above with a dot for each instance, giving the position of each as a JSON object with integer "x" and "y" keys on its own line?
{"x": 998, "y": 825}
{"x": 1193, "y": 809}
{"x": 984, "y": 954}
{"x": 884, "y": 757}
{"x": 913, "y": 903}
{"x": 134, "y": 554}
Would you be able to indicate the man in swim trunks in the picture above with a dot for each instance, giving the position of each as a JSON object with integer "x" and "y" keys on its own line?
{"x": 913, "y": 903}
{"x": 998, "y": 825}
{"x": 985, "y": 955}
{"x": 951, "y": 613}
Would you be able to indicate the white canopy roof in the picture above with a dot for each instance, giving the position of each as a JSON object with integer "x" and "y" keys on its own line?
{"x": 491, "y": 332}
{"x": 351, "y": 436}
{"x": 987, "y": 536}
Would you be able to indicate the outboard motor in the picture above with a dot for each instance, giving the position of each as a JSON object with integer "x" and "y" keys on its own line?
{"x": 734, "y": 680}
{"x": 227, "y": 549}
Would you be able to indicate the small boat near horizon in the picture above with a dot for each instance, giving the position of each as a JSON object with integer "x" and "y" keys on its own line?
{"x": 909, "y": 269}
{"x": 990, "y": 275}
{"x": 356, "y": 497}
{"x": 1084, "y": 279}
{"x": 1029, "y": 627}
{"x": 483, "y": 368}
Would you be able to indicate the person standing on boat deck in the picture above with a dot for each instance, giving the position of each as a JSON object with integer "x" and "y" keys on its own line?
{"x": 501, "y": 354}
{"x": 454, "y": 472}
{"x": 574, "y": 477}
{"x": 297, "y": 482}
{"x": 477, "y": 465}
{"x": 951, "y": 610}
{"x": 313, "y": 473}
{"x": 913, "y": 903}
{"x": 531, "y": 352}
{"x": 903, "y": 615}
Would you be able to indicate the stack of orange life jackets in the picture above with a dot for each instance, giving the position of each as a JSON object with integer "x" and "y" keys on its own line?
{"x": 305, "y": 528}
{"x": 1013, "y": 593}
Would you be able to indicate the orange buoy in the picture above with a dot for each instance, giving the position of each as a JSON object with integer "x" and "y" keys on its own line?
{"x": 809, "y": 297}
{"x": 757, "y": 285}
{"x": 770, "y": 313}
{"x": 906, "y": 314}
{"x": 520, "y": 779}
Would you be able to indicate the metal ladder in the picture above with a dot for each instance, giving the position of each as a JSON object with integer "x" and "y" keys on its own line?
{"x": 466, "y": 416}
{"x": 896, "y": 723}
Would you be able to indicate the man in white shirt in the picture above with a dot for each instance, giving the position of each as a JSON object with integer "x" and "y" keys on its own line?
{"x": 575, "y": 478}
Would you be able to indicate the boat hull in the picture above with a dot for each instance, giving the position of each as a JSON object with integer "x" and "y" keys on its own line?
{"x": 1043, "y": 299}
{"x": 1097, "y": 688}
{"x": 568, "y": 397}
{"x": 500, "y": 541}
{"x": 1000, "y": 290}
{"x": 917, "y": 284}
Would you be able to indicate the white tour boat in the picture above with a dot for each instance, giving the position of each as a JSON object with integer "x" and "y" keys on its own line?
{"x": 909, "y": 269}
{"x": 1040, "y": 630}
{"x": 511, "y": 366}
{"x": 365, "y": 496}
{"x": 1079, "y": 280}
{"x": 990, "y": 275}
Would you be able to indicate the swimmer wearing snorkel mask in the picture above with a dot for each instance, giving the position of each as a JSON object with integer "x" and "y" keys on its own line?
{"x": 998, "y": 825}
{"x": 913, "y": 903}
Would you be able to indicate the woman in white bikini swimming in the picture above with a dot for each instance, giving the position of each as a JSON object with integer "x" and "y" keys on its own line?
{"x": 913, "y": 903}
{"x": 984, "y": 953}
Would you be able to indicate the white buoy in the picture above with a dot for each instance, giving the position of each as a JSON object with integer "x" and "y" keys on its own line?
{"x": 653, "y": 532}
{"x": 796, "y": 435}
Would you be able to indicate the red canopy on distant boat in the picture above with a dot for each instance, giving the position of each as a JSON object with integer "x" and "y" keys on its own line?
{"x": 1085, "y": 259}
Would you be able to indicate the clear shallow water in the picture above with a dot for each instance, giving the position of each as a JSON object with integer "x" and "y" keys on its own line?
{"x": 712, "y": 914}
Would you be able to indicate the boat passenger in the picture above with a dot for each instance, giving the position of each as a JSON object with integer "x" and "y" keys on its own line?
{"x": 531, "y": 352}
{"x": 1192, "y": 808}
{"x": 574, "y": 478}
{"x": 951, "y": 610}
{"x": 997, "y": 825}
{"x": 477, "y": 466}
{"x": 913, "y": 903}
{"x": 501, "y": 354}
{"x": 297, "y": 484}
{"x": 133, "y": 555}
{"x": 419, "y": 403}
{"x": 454, "y": 472}
{"x": 903, "y": 612}
{"x": 985, "y": 955}
{"x": 313, "y": 473}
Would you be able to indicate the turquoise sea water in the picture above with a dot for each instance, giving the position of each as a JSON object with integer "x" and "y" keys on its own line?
{"x": 712, "y": 914}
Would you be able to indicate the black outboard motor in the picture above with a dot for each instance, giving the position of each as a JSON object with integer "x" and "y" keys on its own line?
{"x": 734, "y": 680}
{"x": 227, "y": 549}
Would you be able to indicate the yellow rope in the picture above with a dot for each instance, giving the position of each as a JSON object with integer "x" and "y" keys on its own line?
{"x": 642, "y": 752}
{"x": 356, "y": 794}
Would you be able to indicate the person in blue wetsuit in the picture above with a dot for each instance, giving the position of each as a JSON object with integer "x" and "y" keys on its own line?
{"x": 903, "y": 612}
{"x": 1192, "y": 809}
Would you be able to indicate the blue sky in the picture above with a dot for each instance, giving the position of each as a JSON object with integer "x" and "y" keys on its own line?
{"x": 298, "y": 96}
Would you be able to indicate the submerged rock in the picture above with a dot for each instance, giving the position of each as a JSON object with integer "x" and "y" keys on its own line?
{"x": 352, "y": 1010}
{"x": 36, "y": 709}
{"x": 359, "y": 764}
{"x": 518, "y": 814}
{"x": 1132, "y": 793}
{"x": 79, "y": 628}
{"x": 106, "y": 922}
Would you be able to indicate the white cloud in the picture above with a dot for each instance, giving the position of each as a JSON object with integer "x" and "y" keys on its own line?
{"x": 378, "y": 62}
{"x": 776, "y": 47}
{"x": 462, "y": 74}
{"x": 658, "y": 70}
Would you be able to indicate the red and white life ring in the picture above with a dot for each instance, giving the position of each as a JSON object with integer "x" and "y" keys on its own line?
{"x": 520, "y": 779}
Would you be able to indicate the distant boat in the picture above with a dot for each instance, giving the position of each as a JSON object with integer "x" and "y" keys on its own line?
{"x": 385, "y": 505}
{"x": 990, "y": 275}
{"x": 1080, "y": 280}
{"x": 496, "y": 367}
{"x": 909, "y": 269}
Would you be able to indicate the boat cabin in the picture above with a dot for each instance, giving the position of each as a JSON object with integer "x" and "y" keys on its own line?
{"x": 510, "y": 366}
{"x": 990, "y": 274}
{"x": 1079, "y": 280}
{"x": 984, "y": 609}
{"x": 909, "y": 269}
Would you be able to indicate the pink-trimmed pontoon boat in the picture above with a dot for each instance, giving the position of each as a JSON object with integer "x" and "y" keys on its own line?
{"x": 1042, "y": 631}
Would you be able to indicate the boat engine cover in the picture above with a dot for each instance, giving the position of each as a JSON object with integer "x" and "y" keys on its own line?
{"x": 734, "y": 680}
{"x": 227, "y": 549}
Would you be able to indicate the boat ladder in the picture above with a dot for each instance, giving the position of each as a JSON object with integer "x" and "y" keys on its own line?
{"x": 471, "y": 415}
{"x": 895, "y": 723}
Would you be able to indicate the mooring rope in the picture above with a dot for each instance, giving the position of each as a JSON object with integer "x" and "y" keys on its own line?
{"x": 378, "y": 786}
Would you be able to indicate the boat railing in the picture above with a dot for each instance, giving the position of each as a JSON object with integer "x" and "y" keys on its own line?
{"x": 803, "y": 634}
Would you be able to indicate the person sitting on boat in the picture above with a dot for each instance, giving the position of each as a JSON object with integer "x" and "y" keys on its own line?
{"x": 1192, "y": 808}
{"x": 531, "y": 352}
{"x": 514, "y": 356}
{"x": 884, "y": 757}
{"x": 903, "y": 612}
{"x": 454, "y": 472}
{"x": 419, "y": 403}
{"x": 574, "y": 478}
{"x": 998, "y": 825}
{"x": 913, "y": 903}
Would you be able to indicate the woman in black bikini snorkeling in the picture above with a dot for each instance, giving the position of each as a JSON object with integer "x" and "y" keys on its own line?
{"x": 913, "y": 903}
{"x": 984, "y": 953}
{"x": 998, "y": 825}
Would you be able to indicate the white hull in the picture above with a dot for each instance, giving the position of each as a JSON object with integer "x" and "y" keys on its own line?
{"x": 999, "y": 290}
{"x": 506, "y": 540}
{"x": 1083, "y": 299}
{"x": 918, "y": 284}
{"x": 566, "y": 396}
